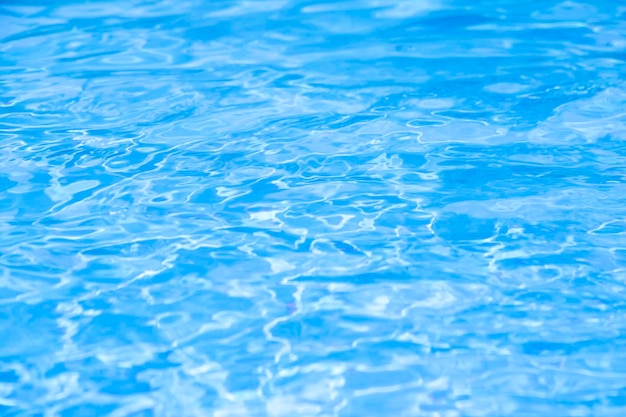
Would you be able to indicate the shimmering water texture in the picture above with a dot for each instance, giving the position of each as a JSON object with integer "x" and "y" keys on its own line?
{"x": 301, "y": 209}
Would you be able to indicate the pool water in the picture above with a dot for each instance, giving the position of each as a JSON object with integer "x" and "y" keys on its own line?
{"x": 305, "y": 208}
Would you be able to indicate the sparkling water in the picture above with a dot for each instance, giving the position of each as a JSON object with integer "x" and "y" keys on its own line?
{"x": 302, "y": 208}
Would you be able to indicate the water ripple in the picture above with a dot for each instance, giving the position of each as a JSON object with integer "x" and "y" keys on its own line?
{"x": 289, "y": 207}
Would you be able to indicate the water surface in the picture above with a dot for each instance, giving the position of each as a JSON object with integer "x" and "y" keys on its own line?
{"x": 298, "y": 208}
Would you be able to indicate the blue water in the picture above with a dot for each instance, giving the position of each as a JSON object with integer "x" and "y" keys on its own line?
{"x": 297, "y": 208}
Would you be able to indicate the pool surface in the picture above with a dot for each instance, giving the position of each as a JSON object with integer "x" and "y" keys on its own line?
{"x": 365, "y": 208}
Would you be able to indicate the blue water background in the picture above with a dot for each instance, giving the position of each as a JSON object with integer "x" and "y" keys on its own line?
{"x": 304, "y": 208}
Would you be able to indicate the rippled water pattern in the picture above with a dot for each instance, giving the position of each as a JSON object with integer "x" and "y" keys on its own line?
{"x": 302, "y": 208}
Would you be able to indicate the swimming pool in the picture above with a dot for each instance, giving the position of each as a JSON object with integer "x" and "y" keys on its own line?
{"x": 306, "y": 208}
